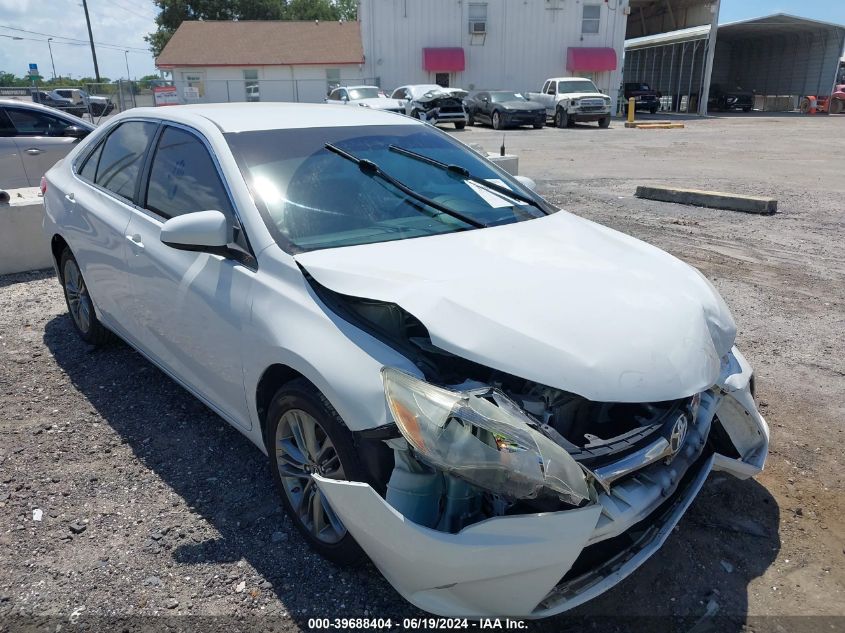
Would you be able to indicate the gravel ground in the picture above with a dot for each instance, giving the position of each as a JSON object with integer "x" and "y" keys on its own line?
{"x": 125, "y": 500}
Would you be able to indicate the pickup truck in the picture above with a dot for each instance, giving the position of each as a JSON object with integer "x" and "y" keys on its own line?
{"x": 645, "y": 97}
{"x": 570, "y": 100}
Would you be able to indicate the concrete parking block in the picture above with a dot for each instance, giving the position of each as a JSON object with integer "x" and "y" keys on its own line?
{"x": 711, "y": 199}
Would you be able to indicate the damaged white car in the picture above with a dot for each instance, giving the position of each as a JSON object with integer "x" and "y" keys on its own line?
{"x": 505, "y": 406}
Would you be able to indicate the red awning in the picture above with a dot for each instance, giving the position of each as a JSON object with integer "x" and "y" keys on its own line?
{"x": 593, "y": 60}
{"x": 442, "y": 60}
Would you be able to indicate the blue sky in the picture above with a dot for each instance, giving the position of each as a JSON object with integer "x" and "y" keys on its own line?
{"x": 121, "y": 25}
{"x": 825, "y": 10}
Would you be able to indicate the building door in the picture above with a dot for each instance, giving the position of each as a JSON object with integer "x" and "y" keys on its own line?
{"x": 194, "y": 86}
{"x": 442, "y": 79}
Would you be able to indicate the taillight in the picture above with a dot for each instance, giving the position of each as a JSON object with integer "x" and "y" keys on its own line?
{"x": 43, "y": 185}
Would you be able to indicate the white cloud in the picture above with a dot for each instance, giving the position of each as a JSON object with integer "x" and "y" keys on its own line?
{"x": 119, "y": 22}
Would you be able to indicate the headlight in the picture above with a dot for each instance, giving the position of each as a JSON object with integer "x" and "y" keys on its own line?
{"x": 483, "y": 438}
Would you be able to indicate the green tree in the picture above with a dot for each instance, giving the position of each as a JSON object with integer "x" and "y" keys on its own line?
{"x": 173, "y": 12}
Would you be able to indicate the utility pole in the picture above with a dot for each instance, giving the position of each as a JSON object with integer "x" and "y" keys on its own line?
{"x": 52, "y": 63}
{"x": 126, "y": 55}
{"x": 91, "y": 39}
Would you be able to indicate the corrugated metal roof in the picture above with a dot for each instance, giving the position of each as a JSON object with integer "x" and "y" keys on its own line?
{"x": 263, "y": 43}
{"x": 776, "y": 24}
{"x": 672, "y": 37}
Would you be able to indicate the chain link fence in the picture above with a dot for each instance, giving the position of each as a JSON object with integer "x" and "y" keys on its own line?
{"x": 95, "y": 101}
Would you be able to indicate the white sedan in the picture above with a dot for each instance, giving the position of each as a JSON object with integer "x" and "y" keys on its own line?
{"x": 506, "y": 406}
{"x": 364, "y": 96}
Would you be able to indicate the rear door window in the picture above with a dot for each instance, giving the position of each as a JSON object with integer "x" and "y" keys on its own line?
{"x": 184, "y": 178}
{"x": 122, "y": 157}
{"x": 34, "y": 123}
{"x": 89, "y": 168}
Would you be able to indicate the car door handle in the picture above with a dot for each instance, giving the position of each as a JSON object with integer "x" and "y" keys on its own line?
{"x": 135, "y": 238}
{"x": 34, "y": 151}
{"x": 70, "y": 198}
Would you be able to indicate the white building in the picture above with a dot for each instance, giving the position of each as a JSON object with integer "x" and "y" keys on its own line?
{"x": 508, "y": 44}
{"x": 221, "y": 61}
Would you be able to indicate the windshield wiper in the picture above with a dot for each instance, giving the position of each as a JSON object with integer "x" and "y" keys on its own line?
{"x": 464, "y": 174}
{"x": 369, "y": 168}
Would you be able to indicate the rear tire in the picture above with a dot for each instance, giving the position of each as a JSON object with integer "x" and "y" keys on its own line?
{"x": 836, "y": 106}
{"x": 305, "y": 434}
{"x": 539, "y": 125}
{"x": 653, "y": 110}
{"x": 746, "y": 109}
{"x": 82, "y": 312}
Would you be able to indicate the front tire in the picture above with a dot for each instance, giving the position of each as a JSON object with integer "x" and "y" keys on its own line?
{"x": 836, "y": 106}
{"x": 79, "y": 303}
{"x": 604, "y": 123}
{"x": 306, "y": 435}
{"x": 460, "y": 125}
{"x": 561, "y": 118}
{"x": 498, "y": 123}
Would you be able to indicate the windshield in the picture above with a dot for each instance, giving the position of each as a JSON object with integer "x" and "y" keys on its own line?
{"x": 363, "y": 93}
{"x": 311, "y": 198}
{"x": 503, "y": 96}
{"x": 583, "y": 85}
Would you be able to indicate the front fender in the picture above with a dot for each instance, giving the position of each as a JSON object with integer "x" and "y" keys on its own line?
{"x": 739, "y": 416}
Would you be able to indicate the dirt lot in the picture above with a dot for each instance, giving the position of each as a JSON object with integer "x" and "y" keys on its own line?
{"x": 151, "y": 505}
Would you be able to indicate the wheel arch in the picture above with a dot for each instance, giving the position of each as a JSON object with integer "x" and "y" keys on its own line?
{"x": 57, "y": 247}
{"x": 272, "y": 379}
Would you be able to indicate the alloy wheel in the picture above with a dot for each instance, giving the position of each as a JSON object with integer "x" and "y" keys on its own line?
{"x": 303, "y": 448}
{"x": 78, "y": 300}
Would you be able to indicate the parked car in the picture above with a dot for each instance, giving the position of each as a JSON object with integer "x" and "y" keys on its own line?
{"x": 725, "y": 100}
{"x": 424, "y": 396}
{"x": 433, "y": 104}
{"x": 366, "y": 96}
{"x": 645, "y": 97}
{"x": 55, "y": 101}
{"x": 504, "y": 108}
{"x": 570, "y": 100}
{"x": 97, "y": 105}
{"x": 32, "y": 138}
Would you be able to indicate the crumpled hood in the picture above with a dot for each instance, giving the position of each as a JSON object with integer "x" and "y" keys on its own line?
{"x": 446, "y": 93}
{"x": 380, "y": 103}
{"x": 558, "y": 300}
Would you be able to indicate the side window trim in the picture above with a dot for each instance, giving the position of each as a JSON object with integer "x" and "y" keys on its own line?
{"x": 80, "y": 161}
{"x": 144, "y": 183}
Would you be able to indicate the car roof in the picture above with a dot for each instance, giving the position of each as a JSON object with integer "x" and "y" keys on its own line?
{"x": 570, "y": 79}
{"x": 37, "y": 106}
{"x": 357, "y": 87}
{"x": 251, "y": 117}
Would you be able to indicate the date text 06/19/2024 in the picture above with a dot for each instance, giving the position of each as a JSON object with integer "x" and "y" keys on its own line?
{"x": 411, "y": 624}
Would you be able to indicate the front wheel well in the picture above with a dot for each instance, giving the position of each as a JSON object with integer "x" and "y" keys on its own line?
{"x": 274, "y": 378}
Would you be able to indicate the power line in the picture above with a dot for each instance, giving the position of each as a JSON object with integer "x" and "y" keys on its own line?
{"x": 74, "y": 39}
{"x": 120, "y": 5}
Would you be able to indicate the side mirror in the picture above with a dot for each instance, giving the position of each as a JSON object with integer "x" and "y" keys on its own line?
{"x": 197, "y": 231}
{"x": 345, "y": 98}
{"x": 527, "y": 182}
{"x": 76, "y": 131}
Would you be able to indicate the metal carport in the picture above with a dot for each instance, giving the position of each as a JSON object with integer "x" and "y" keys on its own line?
{"x": 780, "y": 58}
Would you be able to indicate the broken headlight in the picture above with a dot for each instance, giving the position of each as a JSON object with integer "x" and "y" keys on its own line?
{"x": 483, "y": 438}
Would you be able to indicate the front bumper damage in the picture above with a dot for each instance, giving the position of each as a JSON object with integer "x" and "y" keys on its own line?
{"x": 541, "y": 564}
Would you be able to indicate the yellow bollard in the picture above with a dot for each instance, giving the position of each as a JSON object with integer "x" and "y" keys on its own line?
{"x": 632, "y": 109}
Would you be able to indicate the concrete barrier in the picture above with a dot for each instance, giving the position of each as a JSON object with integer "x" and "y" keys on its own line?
{"x": 22, "y": 243}
{"x": 711, "y": 199}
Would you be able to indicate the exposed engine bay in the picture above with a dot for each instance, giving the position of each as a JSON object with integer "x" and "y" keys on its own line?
{"x": 423, "y": 486}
